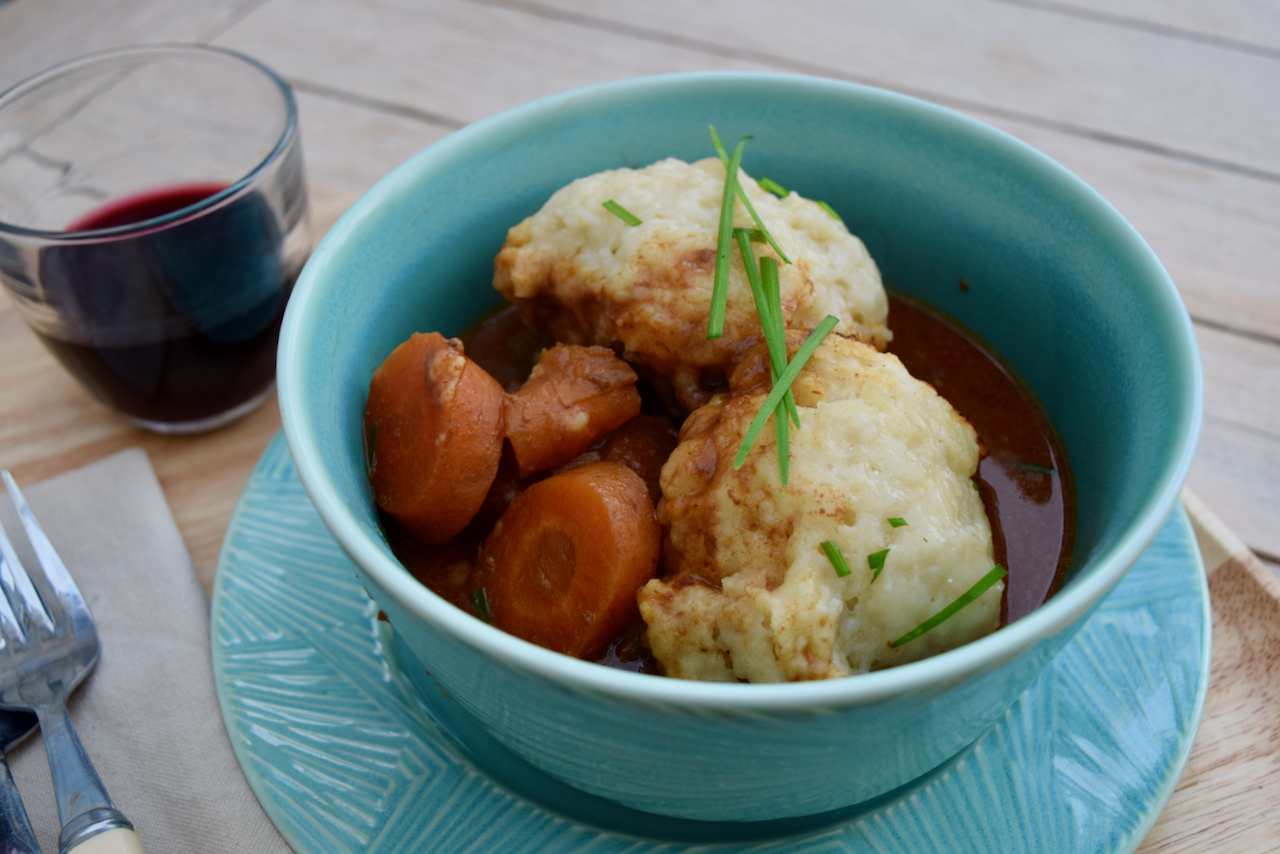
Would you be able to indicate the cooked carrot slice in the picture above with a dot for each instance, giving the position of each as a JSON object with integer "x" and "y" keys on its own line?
{"x": 574, "y": 396}
{"x": 433, "y": 422}
{"x": 562, "y": 566}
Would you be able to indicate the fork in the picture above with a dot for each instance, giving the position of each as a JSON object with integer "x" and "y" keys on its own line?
{"x": 47, "y": 645}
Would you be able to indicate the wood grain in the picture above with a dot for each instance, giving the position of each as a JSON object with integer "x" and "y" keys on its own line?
{"x": 1225, "y": 800}
{"x": 1240, "y": 23}
{"x": 1065, "y": 71}
{"x": 41, "y": 33}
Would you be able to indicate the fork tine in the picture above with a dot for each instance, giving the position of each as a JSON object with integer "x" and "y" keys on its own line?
{"x": 10, "y": 625}
{"x": 14, "y": 577}
{"x": 18, "y": 590}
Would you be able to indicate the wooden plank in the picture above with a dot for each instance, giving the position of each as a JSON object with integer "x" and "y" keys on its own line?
{"x": 1236, "y": 472}
{"x": 1214, "y": 230}
{"x": 347, "y": 148}
{"x": 41, "y": 33}
{"x": 447, "y": 58}
{"x": 1194, "y": 99}
{"x": 1236, "y": 24}
{"x": 1225, "y": 799}
{"x": 1237, "y": 467}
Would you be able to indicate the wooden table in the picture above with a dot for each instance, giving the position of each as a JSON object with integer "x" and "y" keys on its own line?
{"x": 1169, "y": 109}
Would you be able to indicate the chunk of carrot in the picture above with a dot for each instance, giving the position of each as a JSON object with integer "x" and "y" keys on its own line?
{"x": 562, "y": 566}
{"x": 574, "y": 396}
{"x": 433, "y": 426}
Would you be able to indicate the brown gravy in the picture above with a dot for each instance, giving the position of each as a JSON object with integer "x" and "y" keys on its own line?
{"x": 1023, "y": 478}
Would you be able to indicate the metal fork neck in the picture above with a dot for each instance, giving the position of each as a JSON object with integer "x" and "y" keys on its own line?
{"x": 90, "y": 824}
{"x": 76, "y": 783}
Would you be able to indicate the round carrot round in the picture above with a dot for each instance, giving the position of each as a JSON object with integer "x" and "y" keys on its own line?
{"x": 562, "y": 566}
{"x": 433, "y": 432}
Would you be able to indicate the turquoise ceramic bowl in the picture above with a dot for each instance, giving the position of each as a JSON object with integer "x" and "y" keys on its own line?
{"x": 1061, "y": 285}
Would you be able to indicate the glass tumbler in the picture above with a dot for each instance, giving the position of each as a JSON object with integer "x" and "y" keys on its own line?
{"x": 153, "y": 219}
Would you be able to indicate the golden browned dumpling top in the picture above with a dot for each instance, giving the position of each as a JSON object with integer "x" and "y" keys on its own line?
{"x": 581, "y": 274}
{"x": 747, "y": 591}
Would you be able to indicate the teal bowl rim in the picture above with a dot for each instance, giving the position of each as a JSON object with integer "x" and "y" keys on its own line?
{"x": 298, "y": 337}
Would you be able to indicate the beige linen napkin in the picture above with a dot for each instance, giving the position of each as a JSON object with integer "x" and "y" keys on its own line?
{"x": 147, "y": 714}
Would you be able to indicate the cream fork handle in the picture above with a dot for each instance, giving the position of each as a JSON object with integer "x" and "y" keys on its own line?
{"x": 118, "y": 841}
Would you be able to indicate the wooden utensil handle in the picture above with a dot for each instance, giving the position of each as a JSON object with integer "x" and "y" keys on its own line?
{"x": 119, "y": 840}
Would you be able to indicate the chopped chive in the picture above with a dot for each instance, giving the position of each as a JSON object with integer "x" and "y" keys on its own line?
{"x": 773, "y": 295}
{"x": 826, "y": 207}
{"x": 782, "y": 385}
{"x": 974, "y": 484}
{"x": 897, "y": 521}
{"x": 370, "y": 442}
{"x": 776, "y": 342}
{"x": 782, "y": 429}
{"x": 763, "y": 308}
{"x": 720, "y": 152}
{"x": 836, "y": 557}
{"x": 755, "y": 234}
{"x": 720, "y": 289}
{"x": 742, "y": 194}
{"x": 772, "y": 186}
{"x": 876, "y": 562}
{"x": 622, "y": 213}
{"x": 481, "y": 601}
{"x": 997, "y": 572}
{"x": 775, "y": 336}
{"x": 1023, "y": 464}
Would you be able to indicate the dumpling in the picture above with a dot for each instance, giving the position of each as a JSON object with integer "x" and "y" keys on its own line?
{"x": 747, "y": 592}
{"x": 581, "y": 274}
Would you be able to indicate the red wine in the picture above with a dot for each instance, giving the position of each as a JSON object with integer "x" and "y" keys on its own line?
{"x": 178, "y": 323}
{"x": 146, "y": 205}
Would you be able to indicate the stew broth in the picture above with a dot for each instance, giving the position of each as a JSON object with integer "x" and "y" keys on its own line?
{"x": 1023, "y": 477}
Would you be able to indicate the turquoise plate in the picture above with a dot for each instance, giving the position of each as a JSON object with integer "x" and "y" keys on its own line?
{"x": 350, "y": 752}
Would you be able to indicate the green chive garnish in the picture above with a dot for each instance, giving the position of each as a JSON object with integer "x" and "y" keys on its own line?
{"x": 755, "y": 234}
{"x": 372, "y": 440}
{"x": 775, "y": 335}
{"x": 826, "y": 207}
{"x": 720, "y": 152}
{"x": 782, "y": 385}
{"x": 776, "y": 342}
{"x": 481, "y": 601}
{"x": 720, "y": 289}
{"x": 621, "y": 213}
{"x": 773, "y": 296}
{"x": 997, "y": 572}
{"x": 836, "y": 557}
{"x": 773, "y": 187}
{"x": 876, "y": 562}
{"x": 1022, "y": 464}
{"x": 897, "y": 522}
{"x": 742, "y": 194}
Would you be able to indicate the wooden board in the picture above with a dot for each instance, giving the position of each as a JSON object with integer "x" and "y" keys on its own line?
{"x": 1073, "y": 73}
{"x": 1239, "y": 23}
{"x": 1227, "y": 797}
